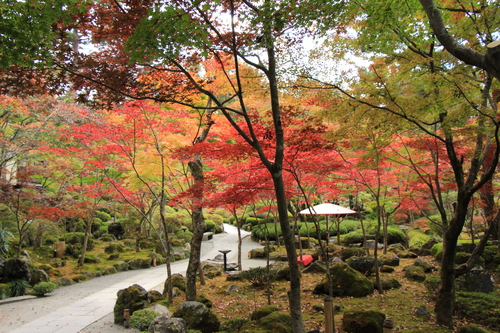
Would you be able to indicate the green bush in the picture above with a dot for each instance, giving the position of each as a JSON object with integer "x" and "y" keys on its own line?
{"x": 252, "y": 220}
{"x": 103, "y": 216}
{"x": 417, "y": 238}
{"x": 141, "y": 319}
{"x": 364, "y": 265}
{"x": 310, "y": 229}
{"x": 4, "y": 291}
{"x": 18, "y": 287}
{"x": 259, "y": 276}
{"x": 50, "y": 241}
{"x": 210, "y": 225}
{"x": 491, "y": 256}
{"x": 483, "y": 308}
{"x": 267, "y": 229}
{"x": 43, "y": 288}
{"x": 354, "y": 237}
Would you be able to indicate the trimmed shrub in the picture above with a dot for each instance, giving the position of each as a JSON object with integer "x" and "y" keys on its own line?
{"x": 266, "y": 229}
{"x": 141, "y": 319}
{"x": 43, "y": 288}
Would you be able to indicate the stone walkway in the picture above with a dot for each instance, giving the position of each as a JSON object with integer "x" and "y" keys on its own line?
{"x": 87, "y": 307}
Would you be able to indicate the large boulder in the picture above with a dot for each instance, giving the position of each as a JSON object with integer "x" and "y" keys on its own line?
{"x": 363, "y": 322}
{"x": 164, "y": 324}
{"x": 198, "y": 317}
{"x": 178, "y": 281}
{"x": 138, "y": 263}
{"x": 476, "y": 280}
{"x": 415, "y": 273}
{"x": 389, "y": 259}
{"x": 316, "y": 267}
{"x": 425, "y": 249}
{"x": 268, "y": 318}
{"x": 16, "y": 269}
{"x": 346, "y": 281}
{"x": 38, "y": 275}
{"x": 132, "y": 298}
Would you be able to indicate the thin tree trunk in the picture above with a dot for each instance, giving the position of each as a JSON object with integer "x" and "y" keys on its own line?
{"x": 198, "y": 222}
{"x": 86, "y": 240}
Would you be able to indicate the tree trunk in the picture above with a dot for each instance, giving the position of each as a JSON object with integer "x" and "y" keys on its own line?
{"x": 294, "y": 295}
{"x": 446, "y": 293}
{"x": 86, "y": 240}
{"x": 198, "y": 222}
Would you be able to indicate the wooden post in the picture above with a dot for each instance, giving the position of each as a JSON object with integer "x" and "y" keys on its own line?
{"x": 329, "y": 316}
{"x": 59, "y": 249}
{"x": 126, "y": 318}
{"x": 154, "y": 262}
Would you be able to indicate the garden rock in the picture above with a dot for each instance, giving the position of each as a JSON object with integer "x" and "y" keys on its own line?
{"x": 428, "y": 268}
{"x": 278, "y": 322}
{"x": 370, "y": 244}
{"x": 133, "y": 298}
{"x": 425, "y": 249}
{"x": 315, "y": 267}
{"x": 203, "y": 299}
{"x": 277, "y": 256}
{"x": 39, "y": 275}
{"x": 64, "y": 282}
{"x": 389, "y": 259}
{"x": 232, "y": 288}
{"x": 268, "y": 318}
{"x": 363, "y": 322}
{"x": 164, "y": 324}
{"x": 476, "y": 280}
{"x": 198, "y": 317}
{"x": 121, "y": 266}
{"x": 386, "y": 269}
{"x": 16, "y": 269}
{"x": 346, "y": 282}
{"x": 407, "y": 254}
{"x": 178, "y": 281}
{"x": 162, "y": 310}
{"x": 138, "y": 263}
{"x": 211, "y": 271}
{"x": 263, "y": 311}
{"x": 257, "y": 253}
{"x": 421, "y": 311}
{"x": 415, "y": 273}
{"x": 387, "y": 283}
{"x": 281, "y": 269}
{"x": 155, "y": 296}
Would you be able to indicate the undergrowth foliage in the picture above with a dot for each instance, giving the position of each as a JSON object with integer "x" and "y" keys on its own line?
{"x": 259, "y": 276}
{"x": 484, "y": 308}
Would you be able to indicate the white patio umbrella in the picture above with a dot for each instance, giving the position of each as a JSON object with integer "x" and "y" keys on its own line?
{"x": 328, "y": 209}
